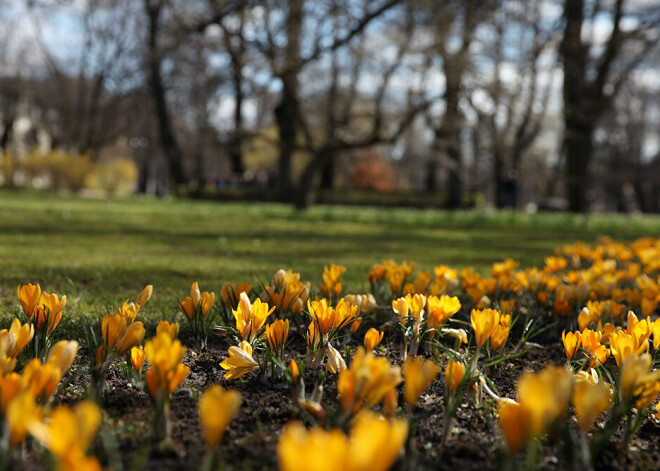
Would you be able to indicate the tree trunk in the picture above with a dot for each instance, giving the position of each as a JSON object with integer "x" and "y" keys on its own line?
{"x": 306, "y": 192}
{"x": 450, "y": 136}
{"x": 431, "y": 181}
{"x": 577, "y": 143}
{"x": 166, "y": 135}
{"x": 286, "y": 112}
{"x": 143, "y": 173}
{"x": 578, "y": 148}
{"x": 640, "y": 193}
{"x": 501, "y": 199}
{"x": 286, "y": 118}
{"x": 328, "y": 175}
{"x": 6, "y": 133}
{"x": 8, "y": 163}
{"x": 236, "y": 142}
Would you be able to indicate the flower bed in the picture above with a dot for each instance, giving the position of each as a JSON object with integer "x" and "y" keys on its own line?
{"x": 551, "y": 366}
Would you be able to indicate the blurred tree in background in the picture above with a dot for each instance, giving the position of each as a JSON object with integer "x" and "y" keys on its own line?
{"x": 509, "y": 102}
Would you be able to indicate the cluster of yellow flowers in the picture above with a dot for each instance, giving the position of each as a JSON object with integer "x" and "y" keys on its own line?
{"x": 42, "y": 309}
{"x": 374, "y": 443}
{"x": 461, "y": 321}
{"x": 26, "y": 399}
{"x": 197, "y": 307}
{"x": 287, "y": 293}
{"x": 543, "y": 399}
{"x": 120, "y": 331}
{"x": 395, "y": 274}
{"x": 331, "y": 287}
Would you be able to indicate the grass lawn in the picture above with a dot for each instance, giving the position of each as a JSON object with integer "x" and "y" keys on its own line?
{"x": 101, "y": 252}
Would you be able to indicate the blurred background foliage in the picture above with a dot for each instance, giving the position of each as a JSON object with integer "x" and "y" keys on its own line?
{"x": 463, "y": 103}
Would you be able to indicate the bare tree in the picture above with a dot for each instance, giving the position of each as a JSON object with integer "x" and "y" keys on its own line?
{"x": 594, "y": 72}
{"x": 85, "y": 108}
{"x": 454, "y": 24}
{"x": 154, "y": 10}
{"x": 281, "y": 44}
{"x": 10, "y": 92}
{"x": 511, "y": 95}
{"x": 354, "y": 118}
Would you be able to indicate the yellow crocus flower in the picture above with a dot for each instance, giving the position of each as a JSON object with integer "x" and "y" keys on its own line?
{"x": 137, "y": 358}
{"x": 636, "y": 375}
{"x": 571, "y": 343}
{"x": 167, "y": 372}
{"x": 454, "y": 373}
{"x": 589, "y": 401}
{"x": 622, "y": 345}
{"x": 655, "y": 327}
{"x": 499, "y": 337}
{"x": 145, "y": 295}
{"x": 22, "y": 334}
{"x": 484, "y": 322}
{"x": 170, "y": 328}
{"x": 322, "y": 315}
{"x": 208, "y": 300}
{"x": 374, "y": 444}
{"x": 132, "y": 337}
{"x": 195, "y": 294}
{"x": 49, "y": 311}
{"x": 113, "y": 327}
{"x": 168, "y": 382}
{"x": 367, "y": 381}
{"x": 10, "y": 386}
{"x": 217, "y": 408}
{"x": 70, "y": 428}
{"x": 344, "y": 313}
{"x": 440, "y": 309}
{"x": 29, "y": 296}
{"x": 514, "y": 421}
{"x": 240, "y": 361}
{"x": 372, "y": 338}
{"x": 41, "y": 379}
{"x": 62, "y": 354}
{"x": 417, "y": 302}
{"x": 277, "y": 334}
{"x": 188, "y": 308}
{"x": 545, "y": 394}
{"x": 163, "y": 352}
{"x": 129, "y": 311}
{"x": 197, "y": 302}
{"x": 401, "y": 309}
{"x": 418, "y": 374}
{"x": 295, "y": 371}
{"x": 7, "y": 346}
{"x": 312, "y": 450}
{"x": 22, "y": 412}
{"x": 331, "y": 287}
{"x": 250, "y": 317}
{"x": 69, "y": 432}
{"x": 591, "y": 342}
{"x": 314, "y": 340}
